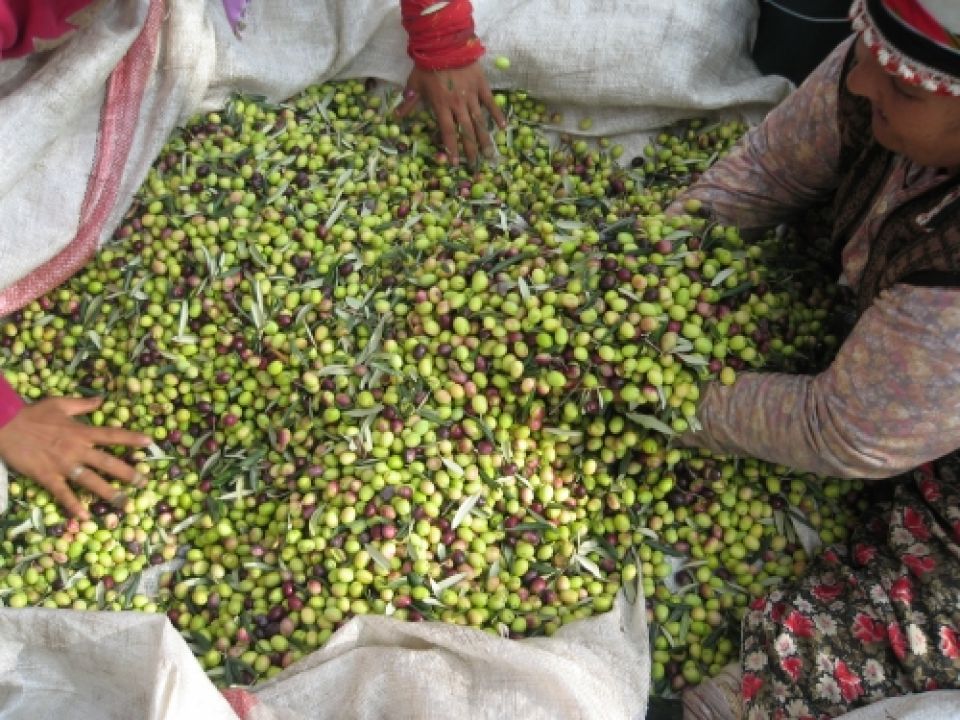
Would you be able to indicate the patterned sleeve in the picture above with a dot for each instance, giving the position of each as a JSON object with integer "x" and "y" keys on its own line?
{"x": 889, "y": 402}
{"x": 787, "y": 163}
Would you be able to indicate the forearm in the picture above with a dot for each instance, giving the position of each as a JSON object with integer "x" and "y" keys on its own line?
{"x": 781, "y": 419}
{"x": 889, "y": 402}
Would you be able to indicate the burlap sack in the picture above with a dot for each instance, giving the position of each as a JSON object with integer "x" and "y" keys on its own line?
{"x": 80, "y": 126}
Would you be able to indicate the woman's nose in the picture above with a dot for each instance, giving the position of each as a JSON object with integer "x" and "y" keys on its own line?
{"x": 863, "y": 76}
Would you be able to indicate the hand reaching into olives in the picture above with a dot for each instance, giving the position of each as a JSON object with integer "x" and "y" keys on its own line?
{"x": 460, "y": 100}
{"x": 45, "y": 443}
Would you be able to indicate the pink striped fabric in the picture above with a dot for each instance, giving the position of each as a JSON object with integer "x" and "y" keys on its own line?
{"x": 118, "y": 124}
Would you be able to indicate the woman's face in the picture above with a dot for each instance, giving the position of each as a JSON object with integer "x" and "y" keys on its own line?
{"x": 906, "y": 118}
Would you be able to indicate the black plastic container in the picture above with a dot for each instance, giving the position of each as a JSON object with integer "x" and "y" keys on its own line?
{"x": 793, "y": 36}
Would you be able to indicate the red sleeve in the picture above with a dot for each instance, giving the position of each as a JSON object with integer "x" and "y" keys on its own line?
{"x": 10, "y": 402}
{"x": 441, "y": 33}
{"x": 27, "y": 25}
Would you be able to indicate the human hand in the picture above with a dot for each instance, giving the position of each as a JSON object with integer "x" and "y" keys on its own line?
{"x": 717, "y": 698}
{"x": 45, "y": 443}
{"x": 458, "y": 98}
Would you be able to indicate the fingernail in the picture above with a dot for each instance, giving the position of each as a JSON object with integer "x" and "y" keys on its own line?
{"x": 119, "y": 500}
{"x": 488, "y": 152}
{"x": 139, "y": 479}
{"x": 83, "y": 515}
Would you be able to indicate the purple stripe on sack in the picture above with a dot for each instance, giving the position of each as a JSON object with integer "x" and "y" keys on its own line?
{"x": 236, "y": 10}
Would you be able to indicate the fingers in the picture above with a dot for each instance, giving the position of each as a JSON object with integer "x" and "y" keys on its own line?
{"x": 411, "y": 99}
{"x": 76, "y": 405}
{"x": 448, "y": 133}
{"x": 464, "y": 124}
{"x": 85, "y": 474}
{"x": 484, "y": 142}
{"x": 486, "y": 97}
{"x": 56, "y": 413}
{"x": 46, "y": 443}
{"x": 112, "y": 466}
{"x": 460, "y": 100}
{"x": 65, "y": 498}
{"x": 92, "y": 481}
{"x": 468, "y": 122}
{"x": 115, "y": 436}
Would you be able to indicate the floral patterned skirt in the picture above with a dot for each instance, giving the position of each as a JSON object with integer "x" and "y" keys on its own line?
{"x": 874, "y": 619}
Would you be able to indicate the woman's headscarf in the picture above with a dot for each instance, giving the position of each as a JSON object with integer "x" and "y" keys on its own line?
{"x": 917, "y": 40}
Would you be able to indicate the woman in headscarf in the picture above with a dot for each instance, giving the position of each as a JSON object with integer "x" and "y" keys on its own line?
{"x": 876, "y": 128}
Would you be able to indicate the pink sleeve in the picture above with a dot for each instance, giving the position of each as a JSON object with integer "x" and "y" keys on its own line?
{"x": 29, "y": 25}
{"x": 10, "y": 402}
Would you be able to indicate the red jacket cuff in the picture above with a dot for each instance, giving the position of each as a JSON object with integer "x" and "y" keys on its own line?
{"x": 441, "y": 34}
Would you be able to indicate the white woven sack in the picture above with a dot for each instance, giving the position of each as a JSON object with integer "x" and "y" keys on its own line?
{"x": 632, "y": 66}
{"x": 74, "y": 665}
{"x": 375, "y": 667}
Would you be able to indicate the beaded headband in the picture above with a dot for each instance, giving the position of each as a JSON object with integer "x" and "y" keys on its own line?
{"x": 916, "y": 40}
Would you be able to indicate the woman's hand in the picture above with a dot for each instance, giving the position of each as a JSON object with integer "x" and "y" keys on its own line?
{"x": 45, "y": 443}
{"x": 460, "y": 100}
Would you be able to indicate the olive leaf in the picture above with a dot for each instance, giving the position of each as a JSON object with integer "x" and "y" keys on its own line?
{"x": 721, "y": 276}
{"x": 378, "y": 557}
{"x": 651, "y": 423}
{"x": 466, "y": 506}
